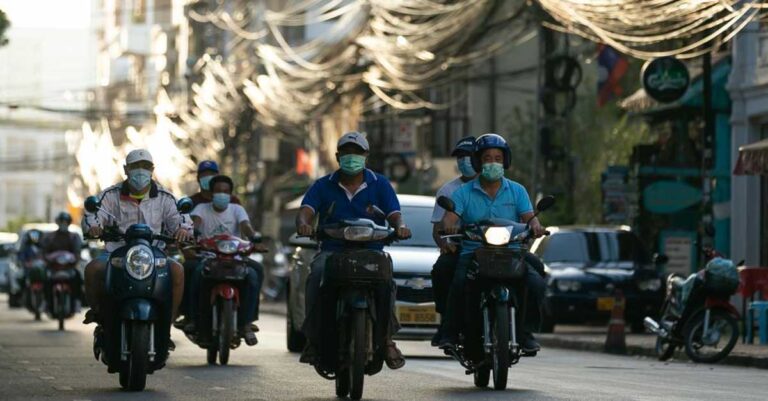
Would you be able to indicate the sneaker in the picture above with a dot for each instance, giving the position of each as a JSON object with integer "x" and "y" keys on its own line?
{"x": 171, "y": 345}
{"x": 309, "y": 355}
{"x": 246, "y": 332}
{"x": 98, "y": 341}
{"x": 190, "y": 328}
{"x": 394, "y": 357}
{"x": 529, "y": 346}
{"x": 446, "y": 343}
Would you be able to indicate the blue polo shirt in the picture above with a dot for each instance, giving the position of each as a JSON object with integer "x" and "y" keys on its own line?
{"x": 327, "y": 191}
{"x": 474, "y": 205}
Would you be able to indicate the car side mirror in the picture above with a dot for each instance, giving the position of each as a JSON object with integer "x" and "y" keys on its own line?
{"x": 545, "y": 203}
{"x": 185, "y": 205}
{"x": 92, "y": 204}
{"x": 375, "y": 211}
{"x": 303, "y": 242}
{"x": 446, "y": 203}
{"x": 660, "y": 259}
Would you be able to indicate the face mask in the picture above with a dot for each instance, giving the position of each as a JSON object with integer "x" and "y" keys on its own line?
{"x": 221, "y": 200}
{"x": 493, "y": 171}
{"x": 352, "y": 164}
{"x": 205, "y": 183}
{"x": 465, "y": 167}
{"x": 139, "y": 178}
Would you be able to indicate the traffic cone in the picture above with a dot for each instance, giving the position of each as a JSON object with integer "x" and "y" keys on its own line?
{"x": 615, "y": 342}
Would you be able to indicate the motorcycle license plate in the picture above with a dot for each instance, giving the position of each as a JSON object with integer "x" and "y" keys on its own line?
{"x": 417, "y": 314}
{"x": 605, "y": 303}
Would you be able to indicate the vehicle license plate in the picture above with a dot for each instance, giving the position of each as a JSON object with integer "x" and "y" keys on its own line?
{"x": 417, "y": 314}
{"x": 605, "y": 303}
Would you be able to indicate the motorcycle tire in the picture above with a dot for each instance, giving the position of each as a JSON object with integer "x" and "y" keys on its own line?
{"x": 212, "y": 352}
{"x": 664, "y": 349}
{"x": 133, "y": 373}
{"x": 696, "y": 324}
{"x": 226, "y": 329}
{"x": 294, "y": 339}
{"x": 61, "y": 301}
{"x": 482, "y": 377}
{"x": 37, "y": 304}
{"x": 342, "y": 383}
{"x": 500, "y": 346}
{"x": 358, "y": 347}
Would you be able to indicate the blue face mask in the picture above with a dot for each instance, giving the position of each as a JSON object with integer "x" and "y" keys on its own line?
{"x": 493, "y": 171}
{"x": 221, "y": 200}
{"x": 465, "y": 166}
{"x": 205, "y": 182}
{"x": 139, "y": 178}
{"x": 352, "y": 164}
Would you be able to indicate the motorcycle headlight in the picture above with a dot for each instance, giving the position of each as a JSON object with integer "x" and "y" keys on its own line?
{"x": 649, "y": 285}
{"x": 227, "y": 247}
{"x": 568, "y": 285}
{"x": 358, "y": 233}
{"x": 139, "y": 262}
{"x": 497, "y": 235}
{"x": 65, "y": 259}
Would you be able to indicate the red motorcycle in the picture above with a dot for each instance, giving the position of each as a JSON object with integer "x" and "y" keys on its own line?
{"x": 34, "y": 287}
{"x": 225, "y": 270}
{"x": 61, "y": 276}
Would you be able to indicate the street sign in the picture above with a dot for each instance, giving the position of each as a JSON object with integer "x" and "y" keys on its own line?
{"x": 666, "y": 197}
{"x": 665, "y": 79}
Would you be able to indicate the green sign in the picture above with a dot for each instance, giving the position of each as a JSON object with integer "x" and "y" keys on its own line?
{"x": 665, "y": 197}
{"x": 665, "y": 79}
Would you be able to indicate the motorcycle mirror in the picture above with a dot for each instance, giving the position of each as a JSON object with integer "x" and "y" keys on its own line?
{"x": 660, "y": 259}
{"x": 545, "y": 203}
{"x": 446, "y": 203}
{"x": 375, "y": 211}
{"x": 92, "y": 204}
{"x": 257, "y": 238}
{"x": 184, "y": 205}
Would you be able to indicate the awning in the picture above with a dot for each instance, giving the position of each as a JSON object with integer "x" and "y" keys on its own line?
{"x": 753, "y": 159}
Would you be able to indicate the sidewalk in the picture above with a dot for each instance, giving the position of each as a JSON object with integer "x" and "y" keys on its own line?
{"x": 592, "y": 338}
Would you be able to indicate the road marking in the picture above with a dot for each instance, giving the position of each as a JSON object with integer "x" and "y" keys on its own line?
{"x": 188, "y": 377}
{"x": 47, "y": 377}
{"x": 33, "y": 369}
{"x": 218, "y": 388}
{"x": 64, "y": 388}
{"x": 24, "y": 362}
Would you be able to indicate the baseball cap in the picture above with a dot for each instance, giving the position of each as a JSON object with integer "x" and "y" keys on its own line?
{"x": 354, "y": 137}
{"x": 138, "y": 155}
{"x": 207, "y": 165}
{"x": 466, "y": 144}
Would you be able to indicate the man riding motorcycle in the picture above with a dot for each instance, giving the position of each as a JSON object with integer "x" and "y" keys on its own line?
{"x": 206, "y": 170}
{"x": 442, "y": 271}
{"x": 137, "y": 200}
{"x": 222, "y": 217}
{"x": 491, "y": 195}
{"x": 348, "y": 193}
{"x": 64, "y": 240}
{"x": 30, "y": 249}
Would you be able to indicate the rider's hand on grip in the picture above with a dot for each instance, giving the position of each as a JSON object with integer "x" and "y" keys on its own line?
{"x": 95, "y": 231}
{"x": 403, "y": 232}
{"x": 183, "y": 235}
{"x": 305, "y": 230}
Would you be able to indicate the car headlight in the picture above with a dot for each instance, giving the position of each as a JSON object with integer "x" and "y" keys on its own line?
{"x": 139, "y": 262}
{"x": 568, "y": 285}
{"x": 497, "y": 235}
{"x": 355, "y": 233}
{"x": 649, "y": 285}
{"x": 227, "y": 246}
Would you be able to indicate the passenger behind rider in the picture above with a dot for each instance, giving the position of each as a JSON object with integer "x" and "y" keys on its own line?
{"x": 30, "y": 249}
{"x": 216, "y": 218}
{"x": 491, "y": 195}
{"x": 445, "y": 266}
{"x": 347, "y": 194}
{"x": 64, "y": 240}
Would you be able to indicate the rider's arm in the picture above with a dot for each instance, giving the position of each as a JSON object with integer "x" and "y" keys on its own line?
{"x": 304, "y": 220}
{"x": 243, "y": 222}
{"x": 533, "y": 222}
{"x": 450, "y": 222}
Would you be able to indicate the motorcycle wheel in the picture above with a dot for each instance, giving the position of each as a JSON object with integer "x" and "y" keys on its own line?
{"x": 664, "y": 349}
{"x": 133, "y": 373}
{"x": 721, "y": 321}
{"x": 226, "y": 329}
{"x": 482, "y": 377}
{"x": 212, "y": 352}
{"x": 358, "y": 352}
{"x": 500, "y": 346}
{"x": 294, "y": 339}
{"x": 37, "y": 303}
{"x": 342, "y": 383}
{"x": 61, "y": 302}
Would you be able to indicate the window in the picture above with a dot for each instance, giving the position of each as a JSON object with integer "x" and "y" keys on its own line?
{"x": 565, "y": 247}
{"x": 138, "y": 11}
{"x": 418, "y": 220}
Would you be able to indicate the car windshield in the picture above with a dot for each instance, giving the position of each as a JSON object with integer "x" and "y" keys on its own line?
{"x": 590, "y": 248}
{"x": 418, "y": 219}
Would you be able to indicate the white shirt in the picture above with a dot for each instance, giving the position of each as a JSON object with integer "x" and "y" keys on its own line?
{"x": 446, "y": 190}
{"x": 216, "y": 223}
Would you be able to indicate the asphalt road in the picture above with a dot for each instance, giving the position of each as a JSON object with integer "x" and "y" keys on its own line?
{"x": 39, "y": 363}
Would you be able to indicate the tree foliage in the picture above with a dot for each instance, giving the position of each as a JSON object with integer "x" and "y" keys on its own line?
{"x": 4, "y": 25}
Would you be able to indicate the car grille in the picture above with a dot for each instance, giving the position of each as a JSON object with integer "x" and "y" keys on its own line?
{"x": 413, "y": 295}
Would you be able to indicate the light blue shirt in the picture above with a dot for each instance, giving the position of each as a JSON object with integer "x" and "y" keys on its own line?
{"x": 474, "y": 205}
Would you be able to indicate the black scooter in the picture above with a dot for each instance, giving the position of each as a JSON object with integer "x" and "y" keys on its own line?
{"x": 137, "y": 315}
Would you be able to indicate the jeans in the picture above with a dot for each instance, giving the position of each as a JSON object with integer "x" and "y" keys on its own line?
{"x": 457, "y": 293}
{"x": 249, "y": 295}
{"x": 442, "y": 276}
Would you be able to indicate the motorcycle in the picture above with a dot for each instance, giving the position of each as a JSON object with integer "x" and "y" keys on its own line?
{"x": 224, "y": 267}
{"x": 137, "y": 316}
{"x": 61, "y": 271}
{"x": 498, "y": 275}
{"x": 354, "y": 325}
{"x": 34, "y": 287}
{"x": 697, "y": 314}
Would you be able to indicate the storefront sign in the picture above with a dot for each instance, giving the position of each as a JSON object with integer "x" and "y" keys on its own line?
{"x": 665, "y": 79}
{"x": 665, "y": 197}
{"x": 615, "y": 195}
{"x": 679, "y": 250}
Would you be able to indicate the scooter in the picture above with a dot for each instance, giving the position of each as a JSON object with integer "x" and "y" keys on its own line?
{"x": 61, "y": 271}
{"x": 498, "y": 295}
{"x": 697, "y": 313}
{"x": 137, "y": 316}
{"x": 34, "y": 287}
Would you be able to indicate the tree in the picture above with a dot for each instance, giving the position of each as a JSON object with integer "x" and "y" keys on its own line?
{"x": 4, "y": 25}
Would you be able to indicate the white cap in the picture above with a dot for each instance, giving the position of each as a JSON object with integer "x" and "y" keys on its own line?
{"x": 138, "y": 155}
{"x": 353, "y": 137}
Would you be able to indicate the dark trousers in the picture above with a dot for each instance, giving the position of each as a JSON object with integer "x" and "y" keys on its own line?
{"x": 457, "y": 295}
{"x": 442, "y": 276}
{"x": 250, "y": 294}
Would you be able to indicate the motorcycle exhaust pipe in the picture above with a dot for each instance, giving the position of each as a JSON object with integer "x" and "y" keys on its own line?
{"x": 653, "y": 327}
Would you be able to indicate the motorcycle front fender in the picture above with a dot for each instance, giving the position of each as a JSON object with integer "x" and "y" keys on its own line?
{"x": 137, "y": 309}
{"x": 500, "y": 294}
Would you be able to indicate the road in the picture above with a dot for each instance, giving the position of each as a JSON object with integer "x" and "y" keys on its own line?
{"x": 39, "y": 363}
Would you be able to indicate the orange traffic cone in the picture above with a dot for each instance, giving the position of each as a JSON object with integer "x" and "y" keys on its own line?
{"x": 615, "y": 342}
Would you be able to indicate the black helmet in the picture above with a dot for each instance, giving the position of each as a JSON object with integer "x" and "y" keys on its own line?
{"x": 490, "y": 141}
{"x": 34, "y": 235}
{"x": 465, "y": 146}
{"x": 63, "y": 216}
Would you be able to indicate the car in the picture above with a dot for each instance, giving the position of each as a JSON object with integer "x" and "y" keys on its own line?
{"x": 7, "y": 258}
{"x": 584, "y": 268}
{"x": 412, "y": 263}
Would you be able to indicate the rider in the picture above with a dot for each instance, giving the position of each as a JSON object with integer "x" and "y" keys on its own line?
{"x": 206, "y": 170}
{"x": 442, "y": 271}
{"x": 222, "y": 217}
{"x": 491, "y": 195}
{"x": 346, "y": 194}
{"x": 30, "y": 249}
{"x": 64, "y": 240}
{"x": 137, "y": 200}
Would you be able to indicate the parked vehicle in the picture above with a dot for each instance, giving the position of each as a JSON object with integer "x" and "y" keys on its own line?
{"x": 697, "y": 313}
{"x": 412, "y": 261}
{"x": 137, "y": 317}
{"x": 496, "y": 304}
{"x": 7, "y": 257}
{"x": 585, "y": 265}
{"x": 60, "y": 275}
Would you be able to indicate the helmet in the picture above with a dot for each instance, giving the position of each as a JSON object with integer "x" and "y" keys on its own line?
{"x": 465, "y": 145}
{"x": 34, "y": 235}
{"x": 63, "y": 216}
{"x": 490, "y": 141}
{"x": 207, "y": 165}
